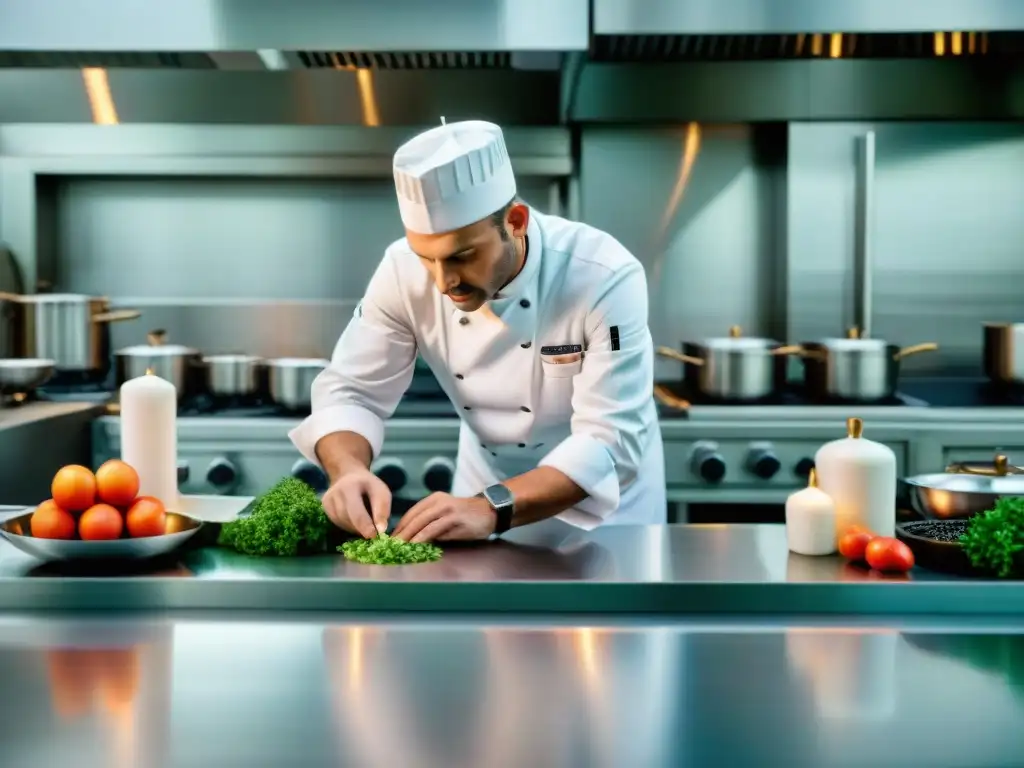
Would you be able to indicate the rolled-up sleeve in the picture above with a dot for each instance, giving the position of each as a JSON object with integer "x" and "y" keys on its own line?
{"x": 612, "y": 414}
{"x": 370, "y": 369}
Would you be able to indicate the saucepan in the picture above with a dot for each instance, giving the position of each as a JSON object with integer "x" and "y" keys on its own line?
{"x": 172, "y": 362}
{"x": 855, "y": 369}
{"x": 964, "y": 489}
{"x": 734, "y": 368}
{"x": 233, "y": 375}
{"x": 21, "y": 375}
{"x": 290, "y": 380}
{"x": 1004, "y": 352}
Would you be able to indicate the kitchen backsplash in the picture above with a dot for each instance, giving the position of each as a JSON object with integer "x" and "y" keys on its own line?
{"x": 736, "y": 224}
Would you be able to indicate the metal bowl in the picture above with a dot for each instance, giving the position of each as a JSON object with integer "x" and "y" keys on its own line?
{"x": 22, "y": 375}
{"x": 180, "y": 528}
{"x": 953, "y": 495}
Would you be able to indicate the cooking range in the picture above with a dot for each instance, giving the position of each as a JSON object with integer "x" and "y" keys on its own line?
{"x": 725, "y": 462}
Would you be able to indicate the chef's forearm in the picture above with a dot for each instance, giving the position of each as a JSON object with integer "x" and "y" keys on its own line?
{"x": 541, "y": 493}
{"x": 342, "y": 452}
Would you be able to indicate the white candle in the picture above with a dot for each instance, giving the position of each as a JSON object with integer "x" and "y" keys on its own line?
{"x": 811, "y": 521}
{"x": 149, "y": 435}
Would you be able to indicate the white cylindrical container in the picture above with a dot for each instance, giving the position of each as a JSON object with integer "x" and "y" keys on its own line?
{"x": 811, "y": 520}
{"x": 149, "y": 436}
{"x": 860, "y": 476}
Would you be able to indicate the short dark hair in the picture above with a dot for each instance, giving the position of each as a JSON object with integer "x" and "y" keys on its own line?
{"x": 498, "y": 218}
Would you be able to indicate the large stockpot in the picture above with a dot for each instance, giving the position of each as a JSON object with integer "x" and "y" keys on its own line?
{"x": 964, "y": 489}
{"x": 290, "y": 380}
{"x": 855, "y": 369}
{"x": 69, "y": 328}
{"x": 233, "y": 375}
{"x": 734, "y": 368}
{"x": 172, "y": 362}
{"x": 1004, "y": 352}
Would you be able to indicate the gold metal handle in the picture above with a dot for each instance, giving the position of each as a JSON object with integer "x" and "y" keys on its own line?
{"x": 1001, "y": 467}
{"x": 5, "y": 296}
{"x": 666, "y": 398}
{"x": 915, "y": 350}
{"x": 789, "y": 349}
{"x": 813, "y": 354}
{"x": 853, "y": 332}
{"x": 735, "y": 332}
{"x": 671, "y": 353}
{"x": 116, "y": 316}
{"x": 156, "y": 338}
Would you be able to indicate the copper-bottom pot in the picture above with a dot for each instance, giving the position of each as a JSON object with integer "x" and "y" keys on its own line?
{"x": 1004, "y": 352}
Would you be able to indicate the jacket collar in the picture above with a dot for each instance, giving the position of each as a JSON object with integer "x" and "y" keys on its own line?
{"x": 524, "y": 285}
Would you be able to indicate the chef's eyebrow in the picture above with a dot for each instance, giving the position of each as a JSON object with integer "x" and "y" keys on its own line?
{"x": 452, "y": 255}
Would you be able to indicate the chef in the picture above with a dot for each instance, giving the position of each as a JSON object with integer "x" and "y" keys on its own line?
{"x": 534, "y": 326}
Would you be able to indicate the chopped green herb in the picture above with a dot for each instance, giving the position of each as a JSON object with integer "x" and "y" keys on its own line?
{"x": 287, "y": 520}
{"x": 386, "y": 550}
{"x": 995, "y": 538}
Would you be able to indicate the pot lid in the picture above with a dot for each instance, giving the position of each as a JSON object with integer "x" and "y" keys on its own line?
{"x": 1006, "y": 485}
{"x": 299, "y": 362}
{"x": 736, "y": 341}
{"x": 157, "y": 350}
{"x": 228, "y": 358}
{"x": 853, "y": 345}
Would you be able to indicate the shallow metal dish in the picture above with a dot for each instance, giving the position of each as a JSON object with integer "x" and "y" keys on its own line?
{"x": 180, "y": 529}
{"x": 964, "y": 489}
{"x": 23, "y": 375}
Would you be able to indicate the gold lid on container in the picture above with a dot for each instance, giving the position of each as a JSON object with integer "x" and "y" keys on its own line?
{"x": 854, "y": 428}
{"x": 812, "y": 479}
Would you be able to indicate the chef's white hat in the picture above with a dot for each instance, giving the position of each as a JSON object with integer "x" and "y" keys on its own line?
{"x": 452, "y": 175}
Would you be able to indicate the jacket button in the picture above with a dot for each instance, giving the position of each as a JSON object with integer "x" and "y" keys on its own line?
{"x": 524, "y": 409}
{"x": 466, "y": 408}
{"x": 459, "y": 376}
{"x": 524, "y": 303}
{"x": 522, "y": 445}
{"x": 526, "y": 344}
{"x": 463, "y": 321}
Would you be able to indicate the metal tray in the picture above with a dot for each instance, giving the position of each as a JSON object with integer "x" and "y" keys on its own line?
{"x": 17, "y": 531}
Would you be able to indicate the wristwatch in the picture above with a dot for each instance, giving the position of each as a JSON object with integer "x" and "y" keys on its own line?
{"x": 504, "y": 505}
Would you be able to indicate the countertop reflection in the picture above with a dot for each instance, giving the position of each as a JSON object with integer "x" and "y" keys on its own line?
{"x": 185, "y": 693}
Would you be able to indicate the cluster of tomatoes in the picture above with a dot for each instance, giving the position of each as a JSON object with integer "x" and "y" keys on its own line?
{"x": 98, "y": 506}
{"x": 883, "y": 553}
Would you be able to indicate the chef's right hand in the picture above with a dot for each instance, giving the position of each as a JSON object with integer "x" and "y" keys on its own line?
{"x": 346, "y": 503}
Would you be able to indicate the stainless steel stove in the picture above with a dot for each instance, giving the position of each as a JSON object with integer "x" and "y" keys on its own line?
{"x": 724, "y": 463}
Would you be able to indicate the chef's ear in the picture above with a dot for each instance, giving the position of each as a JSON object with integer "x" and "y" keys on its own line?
{"x": 518, "y": 218}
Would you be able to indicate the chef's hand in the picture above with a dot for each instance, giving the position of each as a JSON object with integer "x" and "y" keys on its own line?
{"x": 345, "y": 505}
{"x": 441, "y": 517}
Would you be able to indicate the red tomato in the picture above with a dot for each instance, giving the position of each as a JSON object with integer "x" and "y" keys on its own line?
{"x": 100, "y": 523}
{"x": 51, "y": 522}
{"x": 885, "y": 553}
{"x": 147, "y": 517}
{"x": 853, "y": 543}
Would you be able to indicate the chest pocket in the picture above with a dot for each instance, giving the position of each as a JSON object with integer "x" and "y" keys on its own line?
{"x": 557, "y": 388}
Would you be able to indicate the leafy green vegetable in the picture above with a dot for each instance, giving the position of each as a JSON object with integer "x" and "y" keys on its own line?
{"x": 386, "y": 550}
{"x": 994, "y": 538}
{"x": 287, "y": 520}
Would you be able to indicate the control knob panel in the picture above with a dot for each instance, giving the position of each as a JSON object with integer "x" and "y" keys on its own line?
{"x": 392, "y": 472}
{"x": 803, "y": 467}
{"x": 310, "y": 474}
{"x": 438, "y": 475}
{"x": 707, "y": 462}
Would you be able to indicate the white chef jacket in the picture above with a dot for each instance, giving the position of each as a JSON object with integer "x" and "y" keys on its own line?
{"x": 557, "y": 371}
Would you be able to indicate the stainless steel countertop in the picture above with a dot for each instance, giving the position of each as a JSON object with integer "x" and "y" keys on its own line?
{"x": 17, "y": 415}
{"x": 194, "y": 693}
{"x": 548, "y": 567}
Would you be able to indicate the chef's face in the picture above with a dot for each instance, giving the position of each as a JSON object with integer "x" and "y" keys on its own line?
{"x": 470, "y": 265}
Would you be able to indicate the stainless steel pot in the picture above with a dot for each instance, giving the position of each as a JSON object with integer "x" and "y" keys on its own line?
{"x": 172, "y": 362}
{"x": 290, "y": 380}
{"x": 855, "y": 369}
{"x": 21, "y": 376}
{"x": 69, "y": 328}
{"x": 233, "y": 375}
{"x": 1004, "y": 352}
{"x": 736, "y": 367}
{"x": 964, "y": 489}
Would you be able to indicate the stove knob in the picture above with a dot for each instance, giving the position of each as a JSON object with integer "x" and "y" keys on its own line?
{"x": 311, "y": 475}
{"x": 803, "y": 467}
{"x": 708, "y": 463}
{"x": 183, "y": 471}
{"x": 221, "y": 474}
{"x": 763, "y": 463}
{"x": 438, "y": 475}
{"x": 392, "y": 473}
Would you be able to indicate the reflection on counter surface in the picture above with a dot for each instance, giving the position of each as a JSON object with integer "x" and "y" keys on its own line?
{"x": 192, "y": 693}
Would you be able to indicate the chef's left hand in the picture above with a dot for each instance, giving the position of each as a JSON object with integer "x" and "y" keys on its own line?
{"x": 442, "y": 517}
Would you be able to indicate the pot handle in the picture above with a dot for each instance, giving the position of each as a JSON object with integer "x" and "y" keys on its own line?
{"x": 666, "y": 398}
{"x": 679, "y": 356}
{"x": 914, "y": 350}
{"x": 998, "y": 468}
{"x": 789, "y": 349}
{"x": 116, "y": 316}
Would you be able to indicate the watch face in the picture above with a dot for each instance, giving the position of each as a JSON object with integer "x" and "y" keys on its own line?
{"x": 498, "y": 495}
